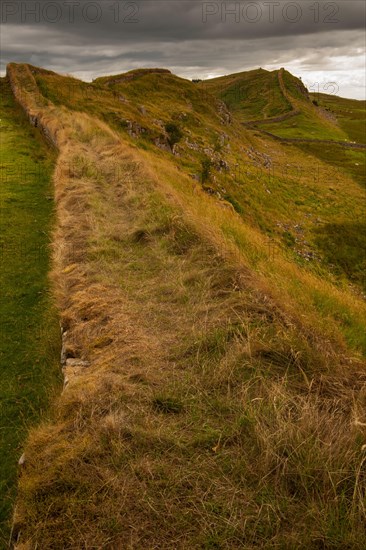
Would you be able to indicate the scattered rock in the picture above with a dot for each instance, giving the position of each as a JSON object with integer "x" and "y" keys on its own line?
{"x": 122, "y": 99}
{"x": 158, "y": 123}
{"x": 134, "y": 129}
{"x": 209, "y": 190}
{"x": 63, "y": 346}
{"x": 223, "y": 113}
{"x": 162, "y": 142}
{"x": 74, "y": 362}
{"x": 176, "y": 149}
{"x": 223, "y": 139}
{"x": 191, "y": 145}
{"x": 258, "y": 158}
{"x": 223, "y": 165}
{"x": 22, "y": 459}
{"x": 182, "y": 116}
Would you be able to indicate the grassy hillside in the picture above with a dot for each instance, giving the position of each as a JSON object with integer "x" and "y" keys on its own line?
{"x": 262, "y": 95}
{"x": 214, "y": 364}
{"x": 284, "y": 193}
{"x": 250, "y": 95}
{"x": 29, "y": 343}
{"x": 349, "y": 113}
{"x": 309, "y": 125}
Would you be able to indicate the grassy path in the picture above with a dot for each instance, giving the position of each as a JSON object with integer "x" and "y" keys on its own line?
{"x": 29, "y": 339}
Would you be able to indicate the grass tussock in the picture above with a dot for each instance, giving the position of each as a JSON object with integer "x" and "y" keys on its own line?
{"x": 215, "y": 409}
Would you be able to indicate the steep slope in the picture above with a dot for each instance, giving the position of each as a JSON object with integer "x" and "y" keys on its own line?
{"x": 213, "y": 390}
{"x": 251, "y": 95}
{"x": 276, "y": 102}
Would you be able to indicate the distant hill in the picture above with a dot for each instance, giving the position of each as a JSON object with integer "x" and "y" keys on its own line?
{"x": 251, "y": 95}
{"x": 279, "y": 103}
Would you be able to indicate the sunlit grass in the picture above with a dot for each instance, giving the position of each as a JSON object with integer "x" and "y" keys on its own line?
{"x": 223, "y": 405}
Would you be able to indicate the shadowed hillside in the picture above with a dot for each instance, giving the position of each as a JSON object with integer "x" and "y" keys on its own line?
{"x": 213, "y": 342}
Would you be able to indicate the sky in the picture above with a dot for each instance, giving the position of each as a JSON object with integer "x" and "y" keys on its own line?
{"x": 322, "y": 42}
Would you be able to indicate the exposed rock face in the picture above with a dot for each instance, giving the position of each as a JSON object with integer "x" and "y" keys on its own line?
{"x": 191, "y": 145}
{"x": 158, "y": 122}
{"x": 223, "y": 113}
{"x": 223, "y": 140}
{"x": 75, "y": 362}
{"x": 258, "y": 158}
{"x": 222, "y": 165}
{"x": 176, "y": 150}
{"x": 162, "y": 142}
{"x": 208, "y": 151}
{"x": 134, "y": 129}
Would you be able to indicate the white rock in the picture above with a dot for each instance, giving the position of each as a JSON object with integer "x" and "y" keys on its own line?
{"x": 74, "y": 362}
{"x": 21, "y": 461}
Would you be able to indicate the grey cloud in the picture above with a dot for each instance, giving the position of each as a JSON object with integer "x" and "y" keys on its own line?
{"x": 173, "y": 34}
{"x": 174, "y": 20}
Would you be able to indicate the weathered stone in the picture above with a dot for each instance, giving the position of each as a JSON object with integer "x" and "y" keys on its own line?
{"x": 21, "y": 461}
{"x": 162, "y": 143}
{"x": 75, "y": 362}
{"x": 134, "y": 129}
{"x": 223, "y": 113}
{"x": 223, "y": 165}
{"x": 192, "y": 145}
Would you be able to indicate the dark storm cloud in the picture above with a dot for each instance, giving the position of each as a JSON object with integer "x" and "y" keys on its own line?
{"x": 174, "y": 20}
{"x": 191, "y": 38}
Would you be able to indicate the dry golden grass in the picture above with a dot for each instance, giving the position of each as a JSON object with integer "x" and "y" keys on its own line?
{"x": 213, "y": 414}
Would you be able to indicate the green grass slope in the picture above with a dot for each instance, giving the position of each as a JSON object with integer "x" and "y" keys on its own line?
{"x": 343, "y": 243}
{"x": 250, "y": 95}
{"x": 349, "y": 113}
{"x": 29, "y": 343}
{"x": 260, "y": 95}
